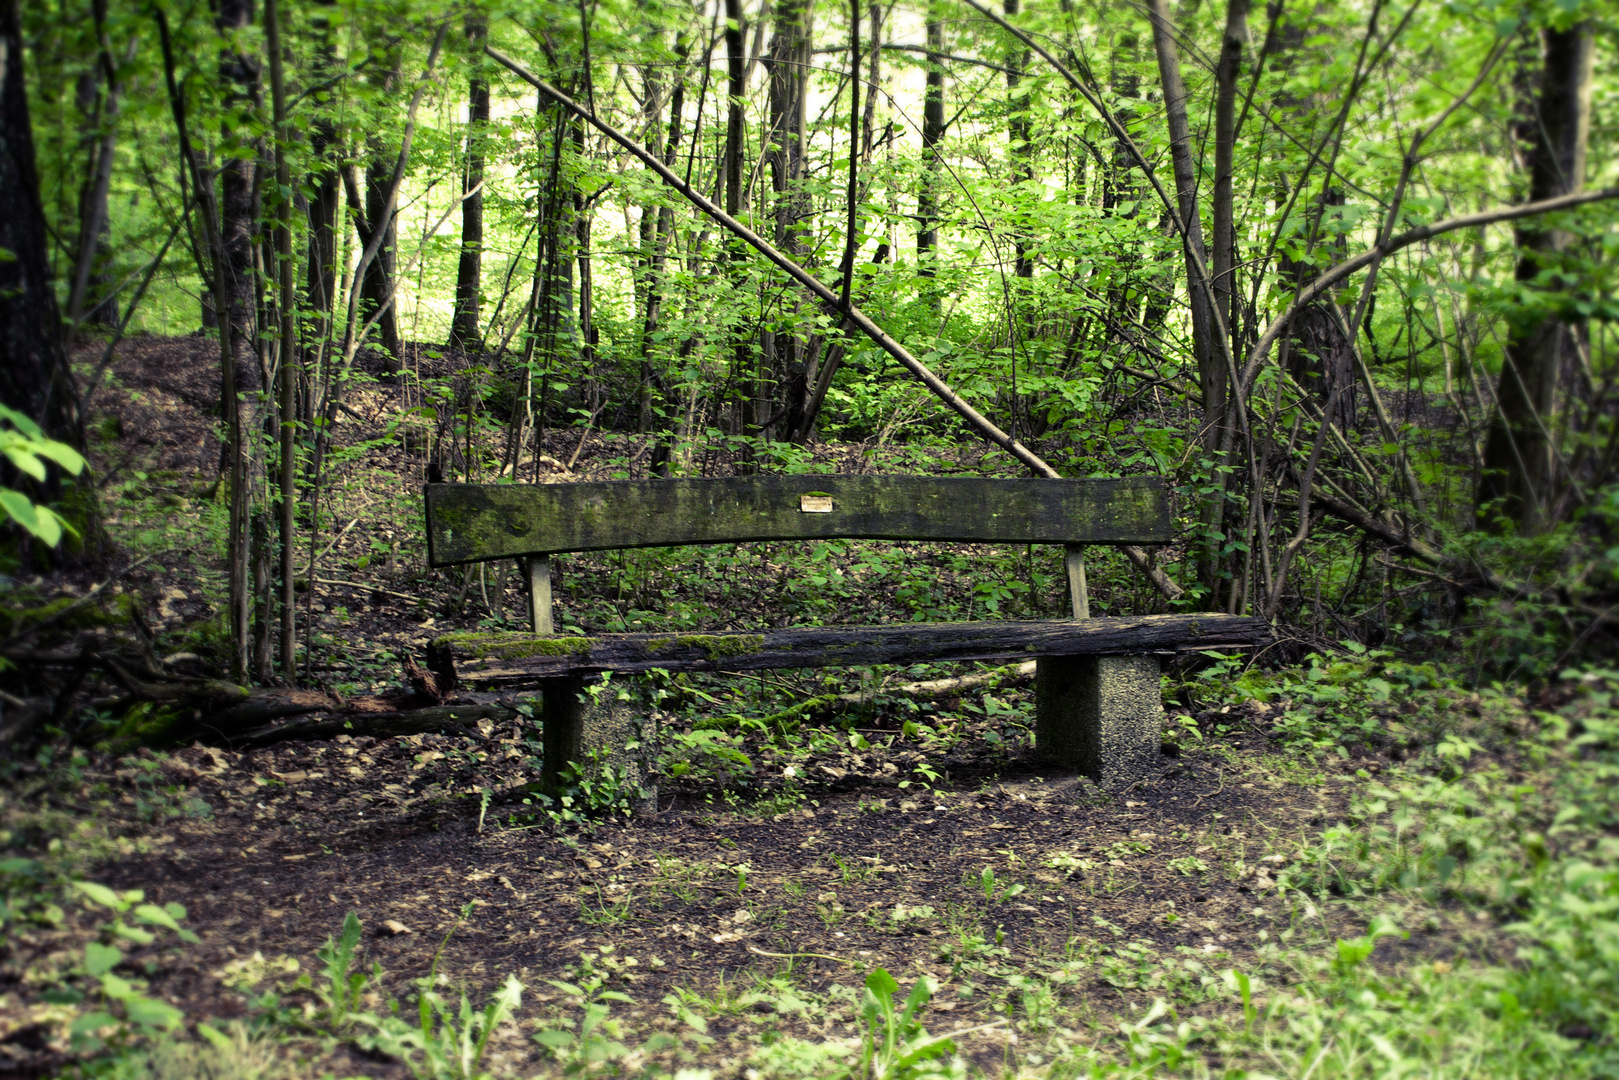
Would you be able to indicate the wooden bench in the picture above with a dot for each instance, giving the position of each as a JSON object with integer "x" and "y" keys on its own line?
{"x": 1097, "y": 701}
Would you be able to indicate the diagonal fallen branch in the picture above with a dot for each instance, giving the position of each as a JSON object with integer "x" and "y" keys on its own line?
{"x": 857, "y": 318}
{"x": 1374, "y": 254}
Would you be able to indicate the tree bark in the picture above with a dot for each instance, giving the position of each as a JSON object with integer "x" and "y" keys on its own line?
{"x": 102, "y": 126}
{"x": 34, "y": 375}
{"x": 663, "y": 226}
{"x": 378, "y": 282}
{"x": 238, "y": 224}
{"x": 325, "y": 201}
{"x": 735, "y": 140}
{"x": 1019, "y": 148}
{"x": 1519, "y": 456}
{"x": 927, "y": 200}
{"x": 1212, "y": 377}
{"x": 468, "y": 280}
{"x": 288, "y": 355}
{"x": 787, "y": 65}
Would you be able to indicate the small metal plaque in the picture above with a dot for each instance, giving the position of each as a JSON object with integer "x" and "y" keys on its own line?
{"x": 815, "y": 504}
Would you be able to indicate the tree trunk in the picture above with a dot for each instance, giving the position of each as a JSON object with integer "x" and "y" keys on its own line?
{"x": 788, "y": 66}
{"x": 289, "y": 358}
{"x": 927, "y": 200}
{"x": 464, "y": 325}
{"x": 658, "y": 248}
{"x": 240, "y": 390}
{"x": 34, "y": 375}
{"x": 238, "y": 225}
{"x": 1212, "y": 377}
{"x": 1019, "y": 149}
{"x": 325, "y": 201}
{"x": 735, "y": 139}
{"x": 101, "y": 125}
{"x": 1519, "y": 456}
{"x": 378, "y": 283}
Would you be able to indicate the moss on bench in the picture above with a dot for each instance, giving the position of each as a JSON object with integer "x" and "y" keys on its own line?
{"x": 514, "y": 646}
{"x": 713, "y": 646}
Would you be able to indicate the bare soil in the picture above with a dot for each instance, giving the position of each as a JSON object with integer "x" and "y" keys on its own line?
{"x": 824, "y": 868}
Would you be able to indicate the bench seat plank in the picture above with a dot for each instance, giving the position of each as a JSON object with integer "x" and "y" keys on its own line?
{"x": 513, "y": 659}
{"x": 474, "y": 522}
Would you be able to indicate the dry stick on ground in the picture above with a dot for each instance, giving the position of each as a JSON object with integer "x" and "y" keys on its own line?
{"x": 978, "y": 421}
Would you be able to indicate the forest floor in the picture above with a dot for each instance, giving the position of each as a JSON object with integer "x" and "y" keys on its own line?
{"x": 742, "y": 911}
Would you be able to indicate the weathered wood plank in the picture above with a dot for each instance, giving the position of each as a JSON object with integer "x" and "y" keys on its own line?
{"x": 472, "y": 522}
{"x": 494, "y": 660}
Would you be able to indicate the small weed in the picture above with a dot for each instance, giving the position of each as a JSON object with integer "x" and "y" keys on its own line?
{"x": 606, "y": 912}
{"x": 1188, "y": 866}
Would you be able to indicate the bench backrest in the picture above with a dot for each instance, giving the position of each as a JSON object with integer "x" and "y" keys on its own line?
{"x": 475, "y": 522}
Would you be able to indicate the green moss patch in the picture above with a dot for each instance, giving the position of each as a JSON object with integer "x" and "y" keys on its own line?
{"x": 713, "y": 646}
{"x": 513, "y": 646}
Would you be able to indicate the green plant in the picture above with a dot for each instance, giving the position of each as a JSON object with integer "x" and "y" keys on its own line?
{"x": 451, "y": 1039}
{"x": 27, "y": 448}
{"x": 894, "y": 1045}
{"x": 594, "y": 1043}
{"x": 341, "y": 990}
{"x": 606, "y": 912}
{"x": 995, "y": 889}
{"x": 123, "y": 1005}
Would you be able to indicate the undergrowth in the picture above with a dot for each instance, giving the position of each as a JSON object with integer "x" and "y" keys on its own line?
{"x": 1484, "y": 868}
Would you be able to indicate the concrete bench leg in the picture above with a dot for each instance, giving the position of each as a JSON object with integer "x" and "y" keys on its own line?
{"x": 576, "y": 722}
{"x": 1099, "y": 715}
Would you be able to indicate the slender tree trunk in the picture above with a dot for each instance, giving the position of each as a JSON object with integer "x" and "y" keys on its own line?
{"x": 34, "y": 375}
{"x": 927, "y": 202}
{"x": 325, "y": 201}
{"x": 1210, "y": 360}
{"x": 788, "y": 66}
{"x": 93, "y": 216}
{"x": 1212, "y": 376}
{"x": 464, "y": 325}
{"x": 238, "y": 228}
{"x": 735, "y": 146}
{"x": 1519, "y": 455}
{"x": 1019, "y": 147}
{"x": 582, "y": 217}
{"x": 287, "y": 351}
{"x": 378, "y": 283}
{"x": 663, "y": 229}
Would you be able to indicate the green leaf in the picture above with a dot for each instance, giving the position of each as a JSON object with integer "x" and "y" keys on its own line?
{"x": 92, "y": 1021}
{"x": 100, "y": 959}
{"x": 100, "y": 894}
{"x": 118, "y": 989}
{"x": 881, "y": 983}
{"x": 49, "y": 527}
{"x": 26, "y": 462}
{"x": 61, "y": 453}
{"x": 556, "y": 1040}
{"x": 135, "y": 934}
{"x": 217, "y": 1038}
{"x": 149, "y": 1012}
{"x": 20, "y": 508}
{"x": 153, "y": 915}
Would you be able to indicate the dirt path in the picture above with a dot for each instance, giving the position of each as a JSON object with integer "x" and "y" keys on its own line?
{"x": 1119, "y": 898}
